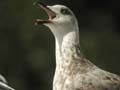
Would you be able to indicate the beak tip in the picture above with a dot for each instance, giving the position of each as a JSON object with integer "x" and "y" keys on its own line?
{"x": 35, "y": 3}
{"x": 35, "y": 24}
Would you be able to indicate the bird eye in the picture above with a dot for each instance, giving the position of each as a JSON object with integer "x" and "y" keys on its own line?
{"x": 65, "y": 11}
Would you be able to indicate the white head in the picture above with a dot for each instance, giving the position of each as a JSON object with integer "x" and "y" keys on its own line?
{"x": 61, "y": 20}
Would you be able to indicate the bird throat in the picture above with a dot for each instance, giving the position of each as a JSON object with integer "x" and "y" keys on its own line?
{"x": 67, "y": 48}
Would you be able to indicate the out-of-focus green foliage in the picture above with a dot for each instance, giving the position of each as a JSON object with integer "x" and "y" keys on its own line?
{"x": 27, "y": 54}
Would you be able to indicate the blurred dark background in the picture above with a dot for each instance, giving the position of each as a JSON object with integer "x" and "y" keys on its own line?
{"x": 27, "y": 57}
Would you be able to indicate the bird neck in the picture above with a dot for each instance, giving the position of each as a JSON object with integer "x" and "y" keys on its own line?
{"x": 68, "y": 55}
{"x": 67, "y": 48}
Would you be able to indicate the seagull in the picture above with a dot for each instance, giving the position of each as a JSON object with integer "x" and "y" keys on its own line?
{"x": 73, "y": 71}
{"x": 4, "y": 84}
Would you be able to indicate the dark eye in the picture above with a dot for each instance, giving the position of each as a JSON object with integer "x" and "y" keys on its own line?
{"x": 65, "y": 11}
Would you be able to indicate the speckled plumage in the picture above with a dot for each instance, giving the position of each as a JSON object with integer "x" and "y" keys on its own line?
{"x": 73, "y": 70}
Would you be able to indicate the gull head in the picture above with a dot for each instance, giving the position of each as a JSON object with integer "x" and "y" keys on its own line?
{"x": 61, "y": 19}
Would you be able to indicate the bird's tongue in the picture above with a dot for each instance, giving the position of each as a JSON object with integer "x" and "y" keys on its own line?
{"x": 50, "y": 13}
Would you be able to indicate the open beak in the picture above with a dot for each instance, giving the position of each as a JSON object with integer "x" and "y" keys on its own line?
{"x": 49, "y": 12}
